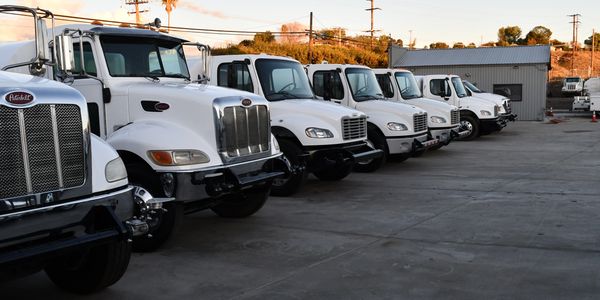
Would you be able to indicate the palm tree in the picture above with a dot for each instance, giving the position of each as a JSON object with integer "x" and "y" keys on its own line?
{"x": 169, "y": 6}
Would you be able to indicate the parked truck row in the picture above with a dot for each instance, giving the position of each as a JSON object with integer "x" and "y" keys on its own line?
{"x": 110, "y": 135}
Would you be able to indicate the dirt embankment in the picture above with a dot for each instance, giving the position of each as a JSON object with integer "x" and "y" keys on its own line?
{"x": 562, "y": 61}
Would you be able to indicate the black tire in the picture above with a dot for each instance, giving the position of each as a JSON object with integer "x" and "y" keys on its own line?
{"x": 165, "y": 224}
{"x": 243, "y": 204}
{"x": 377, "y": 141}
{"x": 92, "y": 270}
{"x": 289, "y": 185}
{"x": 473, "y": 124}
{"x": 335, "y": 173}
{"x": 419, "y": 153}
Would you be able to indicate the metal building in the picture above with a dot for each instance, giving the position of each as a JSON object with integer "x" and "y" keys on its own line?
{"x": 520, "y": 73}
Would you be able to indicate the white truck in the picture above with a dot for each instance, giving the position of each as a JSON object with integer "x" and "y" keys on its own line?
{"x": 324, "y": 138}
{"x": 65, "y": 203}
{"x": 478, "y": 116}
{"x": 505, "y": 111}
{"x": 444, "y": 119}
{"x": 572, "y": 86}
{"x": 207, "y": 147}
{"x": 591, "y": 99}
{"x": 398, "y": 129}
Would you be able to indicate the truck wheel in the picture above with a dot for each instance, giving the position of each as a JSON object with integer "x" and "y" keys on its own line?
{"x": 419, "y": 153}
{"x": 335, "y": 173}
{"x": 92, "y": 270}
{"x": 472, "y": 124}
{"x": 377, "y": 141}
{"x": 165, "y": 223}
{"x": 243, "y": 204}
{"x": 286, "y": 186}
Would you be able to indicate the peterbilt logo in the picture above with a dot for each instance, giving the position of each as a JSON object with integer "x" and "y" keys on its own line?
{"x": 246, "y": 102}
{"x": 19, "y": 98}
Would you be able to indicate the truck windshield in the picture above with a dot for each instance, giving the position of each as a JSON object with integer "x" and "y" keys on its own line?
{"x": 144, "y": 57}
{"x": 573, "y": 79}
{"x": 459, "y": 87}
{"x": 409, "y": 89}
{"x": 363, "y": 84}
{"x": 283, "y": 79}
{"x": 472, "y": 87}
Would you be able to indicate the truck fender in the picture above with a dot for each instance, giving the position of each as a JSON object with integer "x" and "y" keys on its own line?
{"x": 296, "y": 124}
{"x": 141, "y": 136}
{"x": 381, "y": 119}
{"x": 102, "y": 154}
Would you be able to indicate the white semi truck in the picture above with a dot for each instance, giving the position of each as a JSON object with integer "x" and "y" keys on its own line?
{"x": 398, "y": 129}
{"x": 572, "y": 86}
{"x": 590, "y": 101}
{"x": 444, "y": 119}
{"x": 478, "y": 116}
{"x": 65, "y": 203}
{"x": 324, "y": 138}
{"x": 207, "y": 147}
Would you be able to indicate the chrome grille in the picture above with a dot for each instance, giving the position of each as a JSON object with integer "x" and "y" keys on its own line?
{"x": 507, "y": 107}
{"x": 30, "y": 162}
{"x": 354, "y": 128}
{"x": 420, "y": 122}
{"x": 245, "y": 130}
{"x": 455, "y": 117}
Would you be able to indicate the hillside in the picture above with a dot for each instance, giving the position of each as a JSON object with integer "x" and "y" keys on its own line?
{"x": 561, "y": 64}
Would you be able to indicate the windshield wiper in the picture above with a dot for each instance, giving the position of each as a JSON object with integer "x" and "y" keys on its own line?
{"x": 411, "y": 96}
{"x": 177, "y": 76}
{"x": 284, "y": 94}
{"x": 367, "y": 97}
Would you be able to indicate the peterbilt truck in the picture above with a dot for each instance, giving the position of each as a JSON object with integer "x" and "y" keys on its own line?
{"x": 398, "y": 129}
{"x": 444, "y": 119}
{"x": 478, "y": 116}
{"x": 65, "y": 203}
{"x": 206, "y": 147}
{"x": 324, "y": 138}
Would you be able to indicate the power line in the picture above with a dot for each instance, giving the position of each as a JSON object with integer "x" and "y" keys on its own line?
{"x": 575, "y": 23}
{"x": 372, "y": 10}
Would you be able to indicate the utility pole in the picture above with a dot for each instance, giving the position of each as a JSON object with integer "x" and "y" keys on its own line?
{"x": 575, "y": 23}
{"x": 310, "y": 40}
{"x": 593, "y": 46}
{"x": 137, "y": 11}
{"x": 410, "y": 42}
{"x": 372, "y": 10}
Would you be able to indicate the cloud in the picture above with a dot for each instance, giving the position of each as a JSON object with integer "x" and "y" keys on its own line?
{"x": 201, "y": 10}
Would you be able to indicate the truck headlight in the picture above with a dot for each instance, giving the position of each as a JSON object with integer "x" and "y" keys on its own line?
{"x": 318, "y": 133}
{"x": 393, "y": 126}
{"x": 486, "y": 113}
{"x": 178, "y": 157}
{"x": 436, "y": 119}
{"x": 115, "y": 170}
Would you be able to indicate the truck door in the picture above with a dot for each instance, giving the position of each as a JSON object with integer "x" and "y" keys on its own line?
{"x": 328, "y": 85}
{"x": 236, "y": 75}
{"x": 90, "y": 88}
{"x": 440, "y": 89}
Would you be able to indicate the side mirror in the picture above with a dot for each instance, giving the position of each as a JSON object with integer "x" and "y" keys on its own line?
{"x": 65, "y": 54}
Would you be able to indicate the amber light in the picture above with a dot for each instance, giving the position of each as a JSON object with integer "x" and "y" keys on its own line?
{"x": 163, "y": 158}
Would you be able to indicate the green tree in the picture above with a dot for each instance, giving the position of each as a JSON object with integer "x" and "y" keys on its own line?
{"x": 264, "y": 37}
{"x": 596, "y": 40}
{"x": 438, "y": 45}
{"x": 539, "y": 35}
{"x": 471, "y": 45}
{"x": 509, "y": 35}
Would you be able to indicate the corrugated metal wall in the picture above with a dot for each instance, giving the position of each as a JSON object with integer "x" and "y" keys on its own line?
{"x": 533, "y": 78}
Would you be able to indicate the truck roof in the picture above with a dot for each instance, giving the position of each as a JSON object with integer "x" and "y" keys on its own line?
{"x": 120, "y": 31}
{"x": 255, "y": 56}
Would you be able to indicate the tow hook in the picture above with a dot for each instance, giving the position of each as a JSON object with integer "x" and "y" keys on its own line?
{"x": 147, "y": 207}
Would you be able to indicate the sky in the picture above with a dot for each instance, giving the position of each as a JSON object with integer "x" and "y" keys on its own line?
{"x": 430, "y": 21}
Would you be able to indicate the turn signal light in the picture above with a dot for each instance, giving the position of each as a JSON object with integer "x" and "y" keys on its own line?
{"x": 163, "y": 158}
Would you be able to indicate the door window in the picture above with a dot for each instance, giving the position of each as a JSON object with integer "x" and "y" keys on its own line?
{"x": 386, "y": 85}
{"x": 337, "y": 88}
{"x": 88, "y": 59}
{"x": 235, "y": 76}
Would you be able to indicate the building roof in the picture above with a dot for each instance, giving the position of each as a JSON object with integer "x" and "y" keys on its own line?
{"x": 402, "y": 57}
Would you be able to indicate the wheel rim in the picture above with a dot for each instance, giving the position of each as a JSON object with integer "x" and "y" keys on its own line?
{"x": 281, "y": 181}
{"x": 466, "y": 125}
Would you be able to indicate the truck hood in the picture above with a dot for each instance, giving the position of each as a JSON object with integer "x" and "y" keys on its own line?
{"x": 173, "y": 90}
{"x": 309, "y": 107}
{"x": 381, "y": 106}
{"x": 434, "y": 108}
{"x": 496, "y": 99}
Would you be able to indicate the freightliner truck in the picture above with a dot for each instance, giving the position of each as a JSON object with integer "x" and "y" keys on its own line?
{"x": 324, "y": 138}
{"x": 205, "y": 146}
{"x": 400, "y": 130}
{"x": 444, "y": 119}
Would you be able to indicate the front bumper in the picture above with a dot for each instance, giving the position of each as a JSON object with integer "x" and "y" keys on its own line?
{"x": 212, "y": 183}
{"x": 411, "y": 144}
{"x": 444, "y": 135}
{"x": 31, "y": 237}
{"x": 491, "y": 125}
{"x": 320, "y": 158}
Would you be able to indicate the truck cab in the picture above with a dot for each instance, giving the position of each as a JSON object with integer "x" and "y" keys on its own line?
{"x": 317, "y": 137}
{"x": 399, "y": 85}
{"x": 500, "y": 100}
{"x": 398, "y": 129}
{"x": 478, "y": 116}
{"x": 178, "y": 138}
{"x": 572, "y": 86}
{"x": 65, "y": 203}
